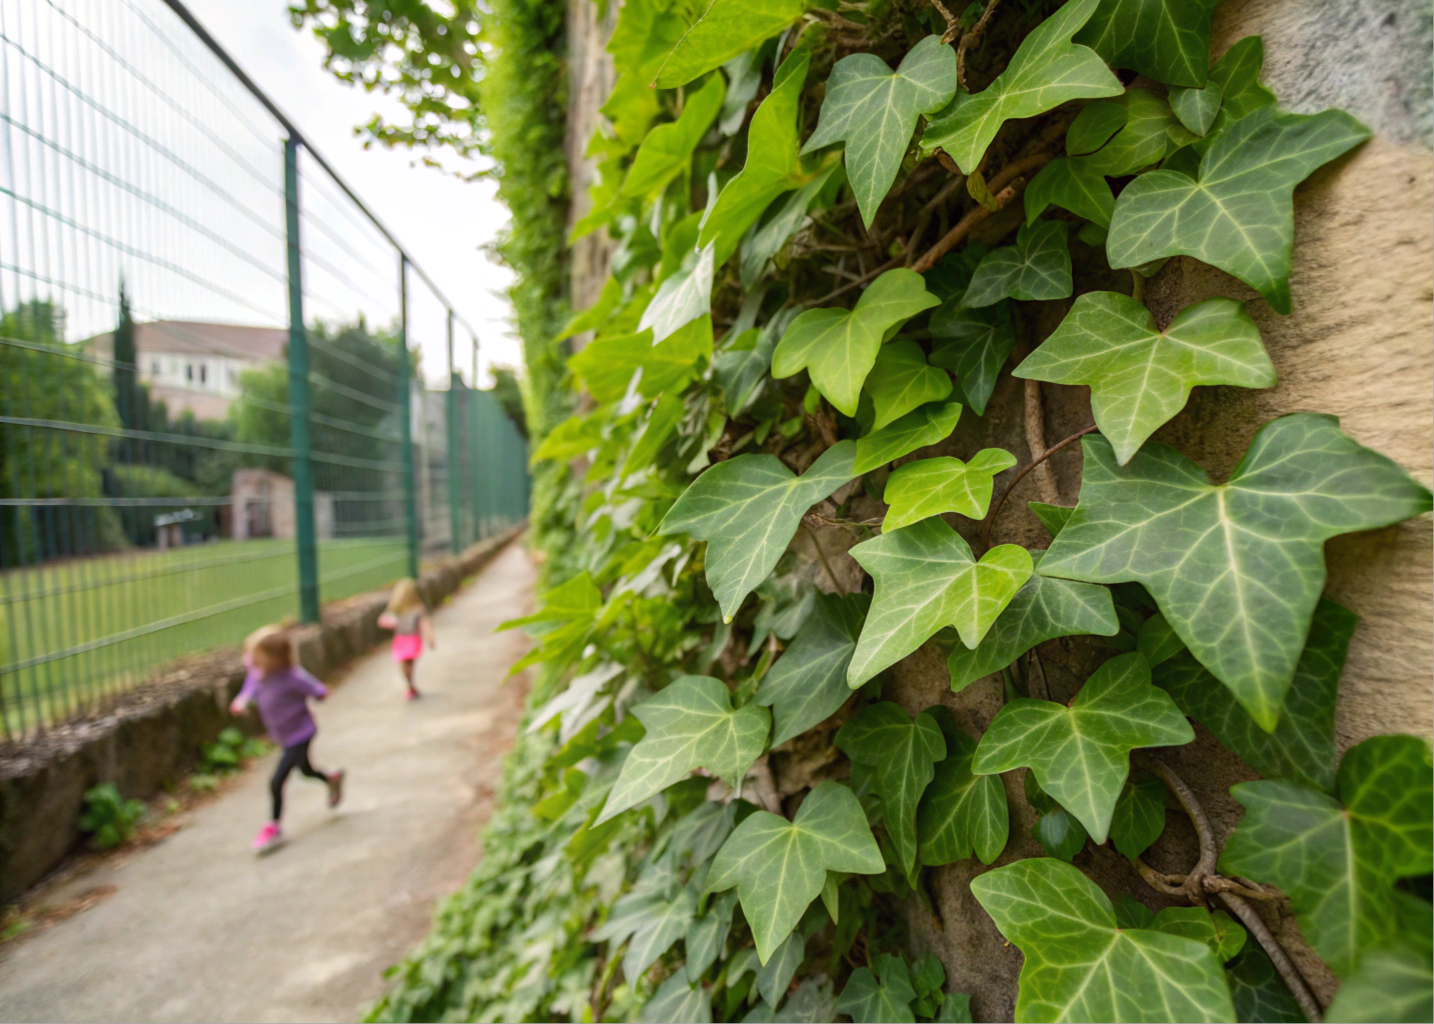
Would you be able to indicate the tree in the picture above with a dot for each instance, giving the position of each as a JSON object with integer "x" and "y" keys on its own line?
{"x": 353, "y": 412}
{"x": 40, "y": 380}
{"x": 509, "y": 394}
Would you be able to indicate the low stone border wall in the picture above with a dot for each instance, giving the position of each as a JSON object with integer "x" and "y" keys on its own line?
{"x": 153, "y": 733}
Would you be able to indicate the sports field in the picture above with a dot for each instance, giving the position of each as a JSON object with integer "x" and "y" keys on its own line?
{"x": 75, "y": 630}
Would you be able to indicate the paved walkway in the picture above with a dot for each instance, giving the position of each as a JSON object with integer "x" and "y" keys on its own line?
{"x": 199, "y": 929}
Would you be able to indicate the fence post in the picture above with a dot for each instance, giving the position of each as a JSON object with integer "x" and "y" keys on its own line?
{"x": 299, "y": 402}
{"x": 455, "y": 478}
{"x": 410, "y": 507}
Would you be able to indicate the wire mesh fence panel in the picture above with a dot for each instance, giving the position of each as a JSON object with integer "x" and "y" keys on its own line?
{"x": 211, "y": 413}
{"x": 358, "y": 377}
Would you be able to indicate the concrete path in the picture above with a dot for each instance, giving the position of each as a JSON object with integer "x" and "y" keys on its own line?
{"x": 199, "y": 929}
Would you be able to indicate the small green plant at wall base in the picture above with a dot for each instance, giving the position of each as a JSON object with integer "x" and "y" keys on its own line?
{"x": 229, "y": 751}
{"x": 109, "y": 818}
{"x": 729, "y": 804}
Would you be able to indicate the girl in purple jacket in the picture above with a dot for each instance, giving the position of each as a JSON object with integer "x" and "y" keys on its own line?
{"x": 282, "y": 690}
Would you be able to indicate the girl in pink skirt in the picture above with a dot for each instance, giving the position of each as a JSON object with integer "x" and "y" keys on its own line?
{"x": 407, "y": 616}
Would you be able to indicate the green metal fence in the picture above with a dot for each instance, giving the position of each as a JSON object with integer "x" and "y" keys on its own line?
{"x": 211, "y": 412}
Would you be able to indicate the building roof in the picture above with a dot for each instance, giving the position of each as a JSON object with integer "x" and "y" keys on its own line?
{"x": 237, "y": 341}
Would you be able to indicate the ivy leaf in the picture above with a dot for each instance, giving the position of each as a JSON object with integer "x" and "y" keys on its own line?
{"x": 661, "y": 925}
{"x": 667, "y": 150}
{"x": 1395, "y": 981}
{"x": 874, "y": 111}
{"x": 1157, "y": 641}
{"x": 575, "y": 436}
{"x": 1239, "y": 596}
{"x": 1139, "y": 816}
{"x": 1080, "y": 967}
{"x": 838, "y": 347}
{"x": 1073, "y": 184}
{"x": 779, "y": 867}
{"x": 1169, "y": 40}
{"x": 1258, "y": 991}
{"x": 808, "y": 683}
{"x": 871, "y": 997}
{"x": 661, "y": 424}
{"x": 1038, "y": 266}
{"x": 902, "y": 753}
{"x": 748, "y": 509}
{"x": 776, "y": 974}
{"x": 929, "y": 487}
{"x": 1217, "y": 930}
{"x": 926, "y": 426}
{"x": 1196, "y": 108}
{"x": 1093, "y": 127}
{"x": 1151, "y": 131}
{"x": 901, "y": 380}
{"x": 1060, "y": 834}
{"x": 743, "y": 374}
{"x": 961, "y": 814}
{"x": 1140, "y": 376}
{"x": 690, "y": 724}
{"x": 759, "y": 246}
{"x": 725, "y": 29}
{"x": 708, "y": 934}
{"x": 1237, "y": 214}
{"x": 1080, "y": 754}
{"x": 606, "y": 365}
{"x": 680, "y": 299}
{"x": 564, "y": 623}
{"x": 1338, "y": 859}
{"x": 1148, "y": 131}
{"x": 678, "y": 1001}
{"x": 1047, "y": 70}
{"x": 1043, "y": 609}
{"x": 973, "y": 344}
{"x": 813, "y": 1002}
{"x": 1302, "y": 747}
{"x": 773, "y": 164}
{"x": 1052, "y": 517}
{"x": 956, "y": 1009}
{"x": 1237, "y": 73}
{"x": 926, "y": 578}
{"x": 646, "y": 30}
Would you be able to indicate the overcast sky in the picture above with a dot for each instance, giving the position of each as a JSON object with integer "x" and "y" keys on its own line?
{"x": 441, "y": 220}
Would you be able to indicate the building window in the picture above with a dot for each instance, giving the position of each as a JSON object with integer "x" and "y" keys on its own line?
{"x": 154, "y": 367}
{"x": 203, "y": 373}
{"x": 188, "y": 371}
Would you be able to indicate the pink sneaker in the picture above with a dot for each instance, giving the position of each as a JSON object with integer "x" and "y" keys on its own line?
{"x": 336, "y": 787}
{"x": 269, "y": 837}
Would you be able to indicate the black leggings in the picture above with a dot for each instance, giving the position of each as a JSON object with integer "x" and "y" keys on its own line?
{"x": 296, "y": 756}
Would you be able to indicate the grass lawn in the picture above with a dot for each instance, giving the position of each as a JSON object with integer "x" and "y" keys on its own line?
{"x": 75, "y": 630}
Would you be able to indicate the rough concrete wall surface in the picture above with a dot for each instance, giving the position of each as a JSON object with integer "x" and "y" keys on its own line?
{"x": 155, "y": 732}
{"x": 590, "y": 79}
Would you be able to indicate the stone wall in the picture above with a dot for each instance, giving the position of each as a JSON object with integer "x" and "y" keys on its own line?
{"x": 154, "y": 733}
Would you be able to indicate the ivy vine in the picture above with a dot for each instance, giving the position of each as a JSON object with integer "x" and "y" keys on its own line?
{"x": 834, "y": 226}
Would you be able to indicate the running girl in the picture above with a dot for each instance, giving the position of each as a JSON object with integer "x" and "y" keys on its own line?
{"x": 282, "y": 690}
{"x": 407, "y": 616}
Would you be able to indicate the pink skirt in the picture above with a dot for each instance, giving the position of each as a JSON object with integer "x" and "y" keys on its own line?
{"x": 407, "y": 647}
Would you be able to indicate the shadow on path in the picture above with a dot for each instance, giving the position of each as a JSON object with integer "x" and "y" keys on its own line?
{"x": 199, "y": 929}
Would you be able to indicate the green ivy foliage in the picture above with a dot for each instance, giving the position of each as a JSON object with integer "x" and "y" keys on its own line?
{"x": 722, "y": 809}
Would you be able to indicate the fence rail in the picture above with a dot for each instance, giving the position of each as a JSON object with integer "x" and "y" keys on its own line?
{"x": 211, "y": 412}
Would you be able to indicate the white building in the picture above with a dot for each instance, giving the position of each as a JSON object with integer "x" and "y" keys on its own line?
{"x": 196, "y": 366}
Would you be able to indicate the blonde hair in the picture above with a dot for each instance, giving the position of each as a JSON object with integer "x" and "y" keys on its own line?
{"x": 270, "y": 649}
{"x": 406, "y": 598}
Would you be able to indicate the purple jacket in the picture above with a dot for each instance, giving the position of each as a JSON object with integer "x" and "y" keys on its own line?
{"x": 283, "y": 700}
